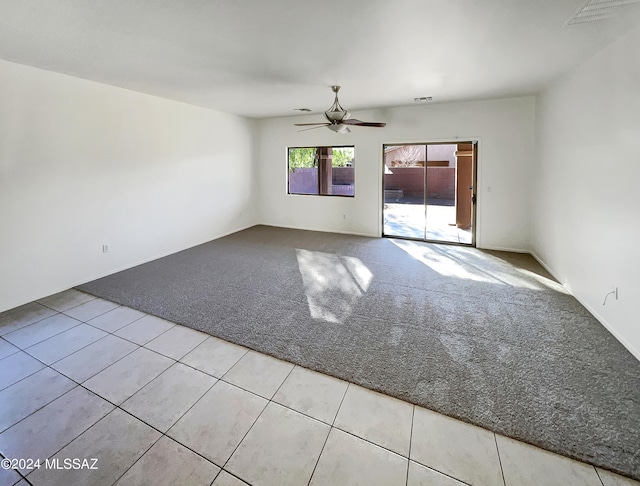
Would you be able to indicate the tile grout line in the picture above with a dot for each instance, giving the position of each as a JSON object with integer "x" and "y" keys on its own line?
{"x": 113, "y": 333}
{"x": 282, "y": 383}
{"x": 45, "y": 365}
{"x": 164, "y": 434}
{"x": 90, "y": 426}
{"x": 98, "y": 372}
{"x": 94, "y": 317}
{"x": 65, "y": 356}
{"x": 315, "y": 466}
{"x": 248, "y": 391}
{"x": 177, "y": 360}
{"x": 94, "y": 297}
{"x": 12, "y": 345}
{"x": 232, "y": 474}
{"x": 431, "y": 468}
{"x": 29, "y": 324}
{"x": 6, "y": 312}
{"x": 330, "y": 429}
{"x": 335, "y": 417}
{"x": 115, "y": 330}
{"x": 181, "y": 416}
{"x": 25, "y": 377}
{"x": 598, "y": 475}
{"x": 115, "y": 407}
{"x": 141, "y": 455}
{"x": 22, "y": 477}
{"x": 245, "y": 435}
{"x": 495, "y": 440}
{"x": 146, "y": 342}
{"x": 45, "y": 339}
{"x": 193, "y": 405}
{"x": 148, "y": 383}
{"x": 79, "y": 349}
{"x": 232, "y": 366}
{"x": 127, "y": 398}
{"x": 76, "y": 384}
{"x": 380, "y": 447}
{"x": 413, "y": 415}
{"x": 270, "y": 400}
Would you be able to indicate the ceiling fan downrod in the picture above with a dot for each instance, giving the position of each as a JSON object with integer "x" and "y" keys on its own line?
{"x": 336, "y": 113}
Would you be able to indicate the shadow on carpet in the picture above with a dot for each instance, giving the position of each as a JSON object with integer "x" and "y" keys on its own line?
{"x": 486, "y": 337}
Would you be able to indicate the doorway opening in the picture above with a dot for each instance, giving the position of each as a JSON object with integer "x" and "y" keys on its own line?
{"x": 429, "y": 191}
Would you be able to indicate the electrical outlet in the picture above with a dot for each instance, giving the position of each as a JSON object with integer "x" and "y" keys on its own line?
{"x": 105, "y": 248}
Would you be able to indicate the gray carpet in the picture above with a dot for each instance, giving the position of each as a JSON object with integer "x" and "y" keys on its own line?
{"x": 487, "y": 337}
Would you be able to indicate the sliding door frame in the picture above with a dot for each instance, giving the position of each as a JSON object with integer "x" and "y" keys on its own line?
{"x": 474, "y": 195}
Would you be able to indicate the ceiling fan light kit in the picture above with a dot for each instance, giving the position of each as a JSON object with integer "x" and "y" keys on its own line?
{"x": 338, "y": 118}
{"x": 339, "y": 128}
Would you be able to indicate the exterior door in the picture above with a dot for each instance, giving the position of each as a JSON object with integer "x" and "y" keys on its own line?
{"x": 429, "y": 192}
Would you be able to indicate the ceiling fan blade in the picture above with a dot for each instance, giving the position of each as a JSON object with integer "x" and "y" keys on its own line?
{"x": 313, "y": 128}
{"x": 361, "y": 123}
{"x": 308, "y": 124}
{"x": 352, "y": 121}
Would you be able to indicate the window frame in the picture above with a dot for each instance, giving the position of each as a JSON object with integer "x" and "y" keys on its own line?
{"x": 317, "y": 166}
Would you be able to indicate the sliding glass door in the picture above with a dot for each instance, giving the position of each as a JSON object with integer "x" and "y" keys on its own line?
{"x": 429, "y": 191}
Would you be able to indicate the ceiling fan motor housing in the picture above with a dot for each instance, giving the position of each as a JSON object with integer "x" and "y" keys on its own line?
{"x": 338, "y": 118}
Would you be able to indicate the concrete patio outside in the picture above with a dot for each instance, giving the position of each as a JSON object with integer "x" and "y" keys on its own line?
{"x": 407, "y": 219}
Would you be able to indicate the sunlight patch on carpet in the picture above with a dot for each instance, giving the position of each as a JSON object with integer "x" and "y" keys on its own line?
{"x": 332, "y": 283}
{"x": 441, "y": 263}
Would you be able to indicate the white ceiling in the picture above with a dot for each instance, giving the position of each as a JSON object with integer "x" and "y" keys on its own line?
{"x": 263, "y": 58}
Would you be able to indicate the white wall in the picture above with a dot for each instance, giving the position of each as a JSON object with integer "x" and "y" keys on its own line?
{"x": 586, "y": 205}
{"x": 83, "y": 164}
{"x": 504, "y": 128}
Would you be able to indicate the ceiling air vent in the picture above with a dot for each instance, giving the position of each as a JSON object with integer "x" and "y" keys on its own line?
{"x": 595, "y": 10}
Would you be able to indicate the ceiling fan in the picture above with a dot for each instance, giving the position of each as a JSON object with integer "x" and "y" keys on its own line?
{"x": 338, "y": 119}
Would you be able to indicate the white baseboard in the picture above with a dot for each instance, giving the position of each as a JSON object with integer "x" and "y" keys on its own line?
{"x": 632, "y": 349}
{"x": 502, "y": 248}
{"x": 304, "y": 228}
{"x": 162, "y": 255}
{"x": 545, "y": 266}
{"x": 72, "y": 284}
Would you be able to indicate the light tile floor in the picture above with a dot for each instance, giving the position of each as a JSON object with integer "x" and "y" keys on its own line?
{"x": 158, "y": 403}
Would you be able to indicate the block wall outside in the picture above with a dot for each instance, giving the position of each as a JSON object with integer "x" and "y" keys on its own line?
{"x": 305, "y": 181}
{"x": 440, "y": 181}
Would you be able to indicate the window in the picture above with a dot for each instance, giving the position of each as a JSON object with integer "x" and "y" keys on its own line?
{"x": 321, "y": 171}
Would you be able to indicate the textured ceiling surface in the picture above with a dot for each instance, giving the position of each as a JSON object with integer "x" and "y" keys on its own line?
{"x": 265, "y": 58}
